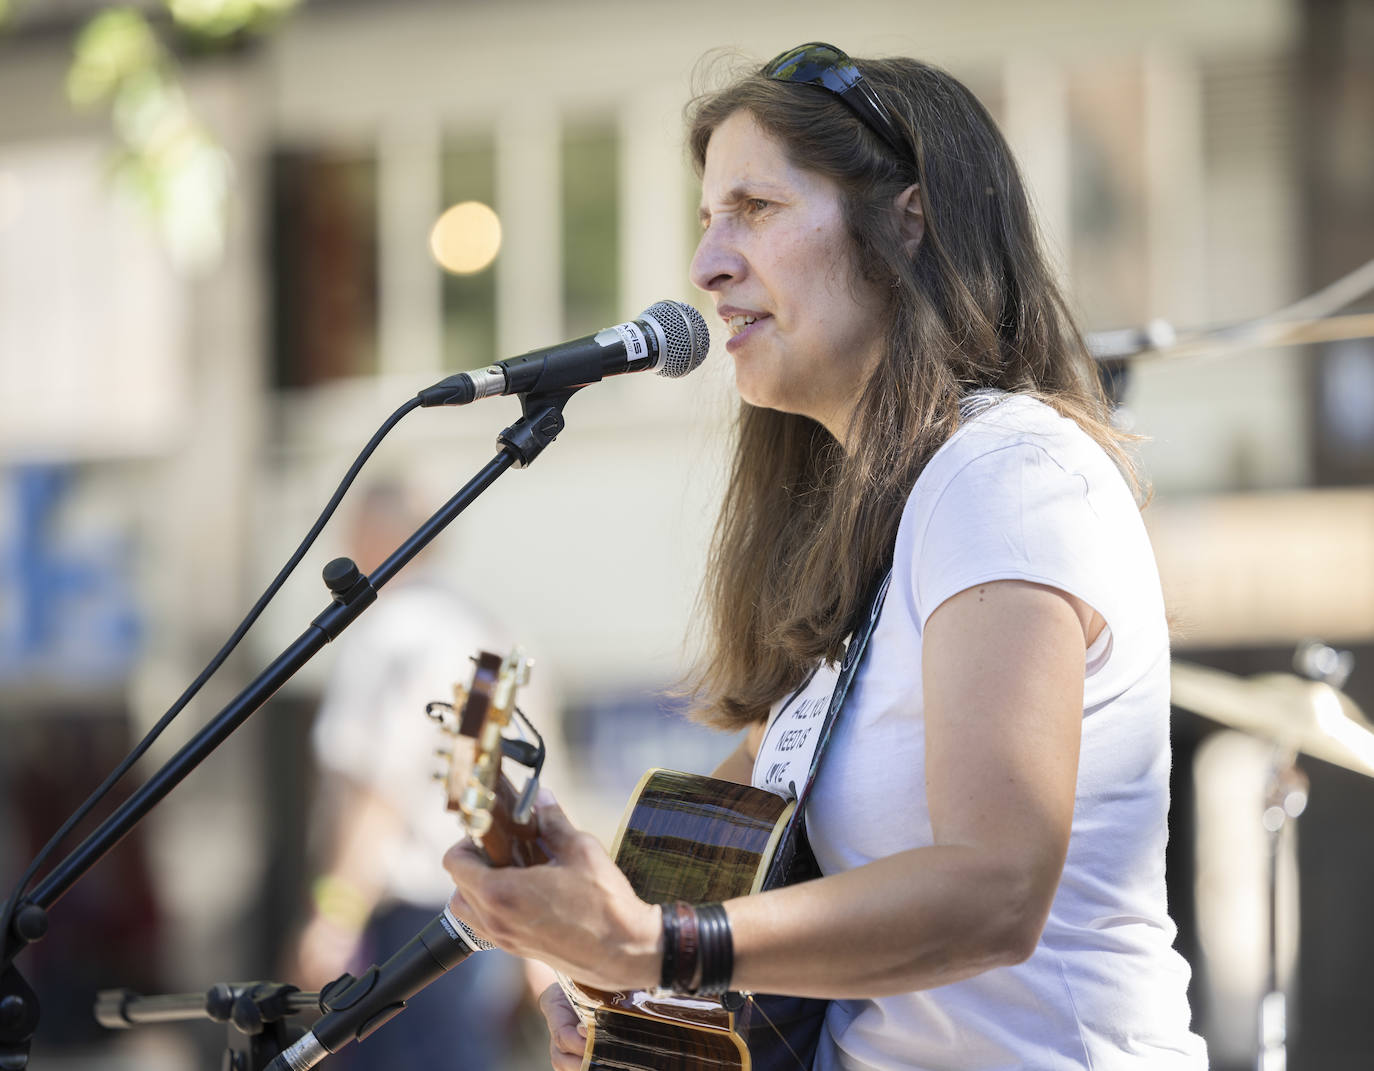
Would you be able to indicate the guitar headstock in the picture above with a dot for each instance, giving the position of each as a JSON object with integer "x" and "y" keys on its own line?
{"x": 476, "y": 725}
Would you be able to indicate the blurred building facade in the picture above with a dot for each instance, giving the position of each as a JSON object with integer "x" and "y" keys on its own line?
{"x": 169, "y": 431}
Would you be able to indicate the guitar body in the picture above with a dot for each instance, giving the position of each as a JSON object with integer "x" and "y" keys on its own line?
{"x": 698, "y": 839}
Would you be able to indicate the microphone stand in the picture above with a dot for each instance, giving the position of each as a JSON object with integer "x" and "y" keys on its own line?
{"x": 352, "y": 593}
{"x": 255, "y": 1015}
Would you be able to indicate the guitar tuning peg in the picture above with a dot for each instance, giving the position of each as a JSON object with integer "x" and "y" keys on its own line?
{"x": 443, "y": 752}
{"x": 522, "y": 676}
{"x": 477, "y": 799}
{"x": 479, "y": 824}
{"x": 438, "y": 711}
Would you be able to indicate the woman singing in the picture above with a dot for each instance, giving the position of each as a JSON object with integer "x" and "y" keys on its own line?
{"x": 990, "y": 816}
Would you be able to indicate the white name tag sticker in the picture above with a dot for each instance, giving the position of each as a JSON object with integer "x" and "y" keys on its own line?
{"x": 784, "y": 758}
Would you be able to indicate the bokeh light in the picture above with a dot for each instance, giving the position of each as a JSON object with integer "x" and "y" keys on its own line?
{"x": 466, "y": 238}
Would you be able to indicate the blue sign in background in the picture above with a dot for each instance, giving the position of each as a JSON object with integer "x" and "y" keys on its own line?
{"x": 67, "y": 606}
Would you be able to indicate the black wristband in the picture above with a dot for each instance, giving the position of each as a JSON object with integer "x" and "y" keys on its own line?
{"x": 680, "y": 962}
{"x": 670, "y": 928}
{"x": 717, "y": 950}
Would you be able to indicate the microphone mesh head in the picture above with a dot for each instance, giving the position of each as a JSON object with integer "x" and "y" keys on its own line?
{"x": 685, "y": 338}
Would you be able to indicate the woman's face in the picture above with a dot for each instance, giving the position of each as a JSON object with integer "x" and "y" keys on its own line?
{"x": 805, "y": 328}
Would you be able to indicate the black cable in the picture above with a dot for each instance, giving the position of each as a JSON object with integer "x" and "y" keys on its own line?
{"x": 205, "y": 674}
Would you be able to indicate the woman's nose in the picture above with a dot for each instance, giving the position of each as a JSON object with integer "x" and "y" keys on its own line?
{"x": 716, "y": 261}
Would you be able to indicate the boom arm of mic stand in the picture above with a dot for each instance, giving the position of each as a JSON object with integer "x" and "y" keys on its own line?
{"x": 254, "y": 1014}
{"x": 519, "y": 445}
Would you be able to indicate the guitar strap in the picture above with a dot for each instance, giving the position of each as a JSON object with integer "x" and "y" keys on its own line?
{"x": 794, "y": 860}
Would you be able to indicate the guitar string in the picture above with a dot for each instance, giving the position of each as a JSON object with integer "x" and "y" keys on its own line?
{"x": 781, "y": 1036}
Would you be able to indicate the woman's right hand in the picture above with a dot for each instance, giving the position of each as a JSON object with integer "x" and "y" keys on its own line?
{"x": 567, "y": 1035}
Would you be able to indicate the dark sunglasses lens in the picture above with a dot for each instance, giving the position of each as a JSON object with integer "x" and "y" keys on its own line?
{"x": 812, "y": 64}
{"x": 819, "y": 64}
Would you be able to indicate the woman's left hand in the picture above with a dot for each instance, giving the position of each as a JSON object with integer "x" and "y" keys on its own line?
{"x": 577, "y": 913}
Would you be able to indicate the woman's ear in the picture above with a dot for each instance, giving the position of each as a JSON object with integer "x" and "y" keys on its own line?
{"x": 911, "y": 218}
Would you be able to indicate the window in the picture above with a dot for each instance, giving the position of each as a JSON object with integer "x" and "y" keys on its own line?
{"x": 324, "y": 266}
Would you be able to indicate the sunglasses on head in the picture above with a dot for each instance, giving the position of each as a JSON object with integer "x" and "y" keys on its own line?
{"x": 819, "y": 64}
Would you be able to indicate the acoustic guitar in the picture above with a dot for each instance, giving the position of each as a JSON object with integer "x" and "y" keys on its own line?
{"x": 683, "y": 837}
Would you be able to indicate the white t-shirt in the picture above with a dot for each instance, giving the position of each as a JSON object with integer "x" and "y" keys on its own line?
{"x": 1018, "y": 492}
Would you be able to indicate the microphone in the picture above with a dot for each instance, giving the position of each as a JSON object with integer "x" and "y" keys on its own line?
{"x": 668, "y": 337}
{"x": 357, "y": 1006}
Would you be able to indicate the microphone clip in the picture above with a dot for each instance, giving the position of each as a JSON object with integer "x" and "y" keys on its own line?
{"x": 526, "y": 439}
{"x": 345, "y": 991}
{"x": 333, "y": 989}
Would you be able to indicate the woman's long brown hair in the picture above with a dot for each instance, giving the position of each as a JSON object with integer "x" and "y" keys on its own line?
{"x": 805, "y": 528}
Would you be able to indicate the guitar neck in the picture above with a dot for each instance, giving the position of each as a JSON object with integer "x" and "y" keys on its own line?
{"x": 508, "y": 842}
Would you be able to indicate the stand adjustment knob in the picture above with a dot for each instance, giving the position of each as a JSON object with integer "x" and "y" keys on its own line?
{"x": 30, "y": 923}
{"x": 340, "y": 575}
{"x": 12, "y": 1012}
{"x": 1318, "y": 661}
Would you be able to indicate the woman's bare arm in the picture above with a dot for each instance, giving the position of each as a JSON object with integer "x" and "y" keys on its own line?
{"x": 1003, "y": 672}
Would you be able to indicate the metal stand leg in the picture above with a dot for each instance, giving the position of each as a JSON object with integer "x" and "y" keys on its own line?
{"x": 1284, "y": 801}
